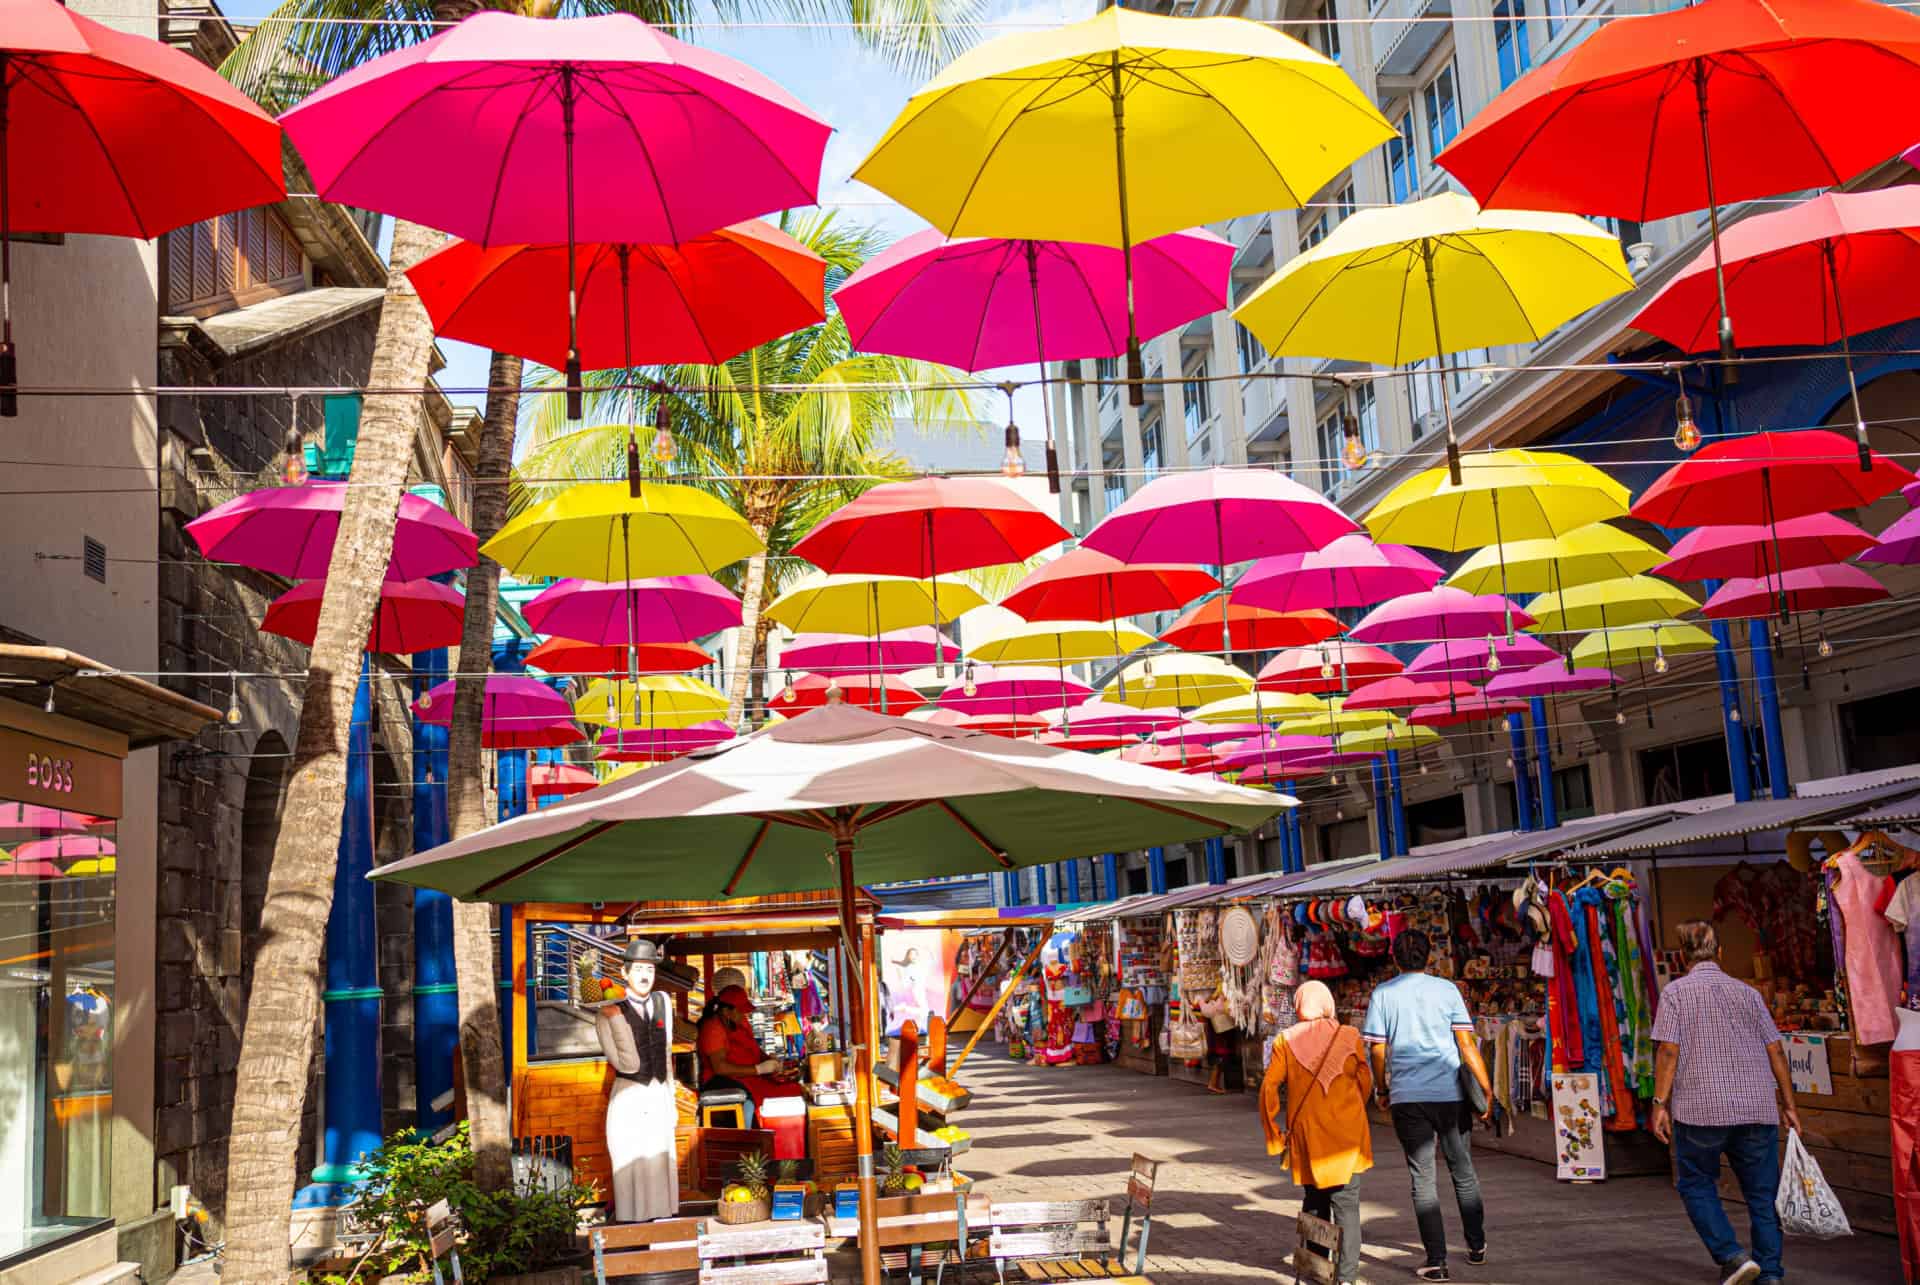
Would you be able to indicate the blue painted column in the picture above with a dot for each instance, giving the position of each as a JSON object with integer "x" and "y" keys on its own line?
{"x": 1522, "y": 772}
{"x": 1732, "y": 722}
{"x": 1291, "y": 818}
{"x": 436, "y": 997}
{"x": 352, "y": 996}
{"x": 1400, "y": 837}
{"x": 1156, "y": 870}
{"x": 1382, "y": 823}
{"x": 1543, "y": 759}
{"x": 1762, "y": 644}
{"x": 1110, "y": 876}
{"x": 1010, "y": 888}
{"x": 1216, "y": 850}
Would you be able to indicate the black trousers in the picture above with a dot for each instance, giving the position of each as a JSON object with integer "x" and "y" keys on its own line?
{"x": 1423, "y": 1128}
{"x": 1341, "y": 1207}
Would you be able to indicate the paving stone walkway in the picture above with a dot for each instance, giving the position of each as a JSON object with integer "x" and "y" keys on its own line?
{"x": 1224, "y": 1211}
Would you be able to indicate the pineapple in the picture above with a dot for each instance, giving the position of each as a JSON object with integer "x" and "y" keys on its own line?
{"x": 752, "y": 1173}
{"x": 591, "y": 988}
{"x": 896, "y": 1170}
{"x": 787, "y": 1171}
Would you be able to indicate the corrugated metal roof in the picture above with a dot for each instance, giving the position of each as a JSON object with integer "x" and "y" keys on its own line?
{"x": 1752, "y": 817}
{"x": 1151, "y": 903}
{"x": 1358, "y": 875}
{"x": 1499, "y": 850}
{"x": 1901, "y": 812}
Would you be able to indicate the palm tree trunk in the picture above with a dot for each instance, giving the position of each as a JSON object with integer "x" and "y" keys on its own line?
{"x": 480, "y": 1055}
{"x": 752, "y": 600}
{"x": 276, "y": 1049}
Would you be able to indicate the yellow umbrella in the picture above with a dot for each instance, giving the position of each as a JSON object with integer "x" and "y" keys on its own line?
{"x": 1060, "y": 642}
{"x": 1181, "y": 120}
{"x": 1397, "y": 735}
{"x": 1582, "y": 556}
{"x": 1256, "y": 707}
{"x": 1177, "y": 680}
{"x": 1378, "y": 287}
{"x": 657, "y": 701}
{"x": 1650, "y": 641}
{"x": 870, "y": 605}
{"x": 601, "y": 531}
{"x": 1333, "y": 719}
{"x": 1608, "y": 604}
{"x": 91, "y": 866}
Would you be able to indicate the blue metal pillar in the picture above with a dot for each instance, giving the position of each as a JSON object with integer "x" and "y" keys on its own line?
{"x": 1216, "y": 850}
{"x": 1400, "y": 837}
{"x": 1010, "y": 888}
{"x": 1522, "y": 772}
{"x": 1762, "y": 644}
{"x": 1732, "y": 721}
{"x": 352, "y": 996}
{"x": 436, "y": 997}
{"x": 1382, "y": 824}
{"x": 1156, "y": 870}
{"x": 1543, "y": 758}
{"x": 1291, "y": 819}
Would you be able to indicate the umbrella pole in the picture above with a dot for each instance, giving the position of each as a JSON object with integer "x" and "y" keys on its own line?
{"x": 1113, "y": 622}
{"x": 626, "y": 357}
{"x": 861, "y": 938}
{"x": 626, "y": 591}
{"x": 1439, "y": 352}
{"x": 1226, "y": 626}
{"x": 575, "y": 392}
{"x": 1500, "y": 544}
{"x": 933, "y": 563}
{"x": 1846, "y": 352}
{"x": 1136, "y": 370}
{"x": 879, "y": 679}
{"x": 1728, "y": 356}
{"x": 9, "y": 373}
{"x": 1775, "y": 572}
{"x": 1040, "y": 360}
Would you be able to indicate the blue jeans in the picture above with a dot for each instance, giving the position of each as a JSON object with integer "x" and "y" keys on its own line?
{"x": 1424, "y": 1128}
{"x": 1753, "y": 1151}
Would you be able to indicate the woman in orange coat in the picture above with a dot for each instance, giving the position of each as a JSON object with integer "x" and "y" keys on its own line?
{"x": 1313, "y": 1105}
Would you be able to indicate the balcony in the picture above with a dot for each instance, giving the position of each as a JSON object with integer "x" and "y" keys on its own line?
{"x": 1406, "y": 31}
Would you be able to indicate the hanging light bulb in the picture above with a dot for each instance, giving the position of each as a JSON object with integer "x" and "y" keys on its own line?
{"x": 664, "y": 447}
{"x": 1336, "y": 778}
{"x": 1326, "y": 664}
{"x": 1339, "y": 814}
{"x": 1686, "y": 433}
{"x": 49, "y": 705}
{"x": 1823, "y": 646}
{"x": 233, "y": 699}
{"x": 1012, "y": 462}
{"x": 1509, "y": 760}
{"x": 1659, "y": 656}
{"x": 1423, "y": 767}
{"x": 293, "y": 467}
{"x": 1146, "y": 674}
{"x": 1733, "y": 714}
{"x": 786, "y": 691}
{"x": 1353, "y": 452}
{"x": 1493, "y": 657}
{"x": 968, "y": 687}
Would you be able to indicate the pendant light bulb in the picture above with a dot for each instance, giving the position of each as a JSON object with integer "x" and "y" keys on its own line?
{"x": 1339, "y": 814}
{"x": 49, "y": 705}
{"x": 293, "y": 468}
{"x": 786, "y": 690}
{"x": 1146, "y": 674}
{"x": 664, "y": 447}
{"x": 1336, "y": 778}
{"x": 1012, "y": 462}
{"x": 1326, "y": 664}
{"x": 968, "y": 687}
{"x": 1353, "y": 452}
{"x": 1509, "y": 760}
{"x": 1423, "y": 768}
{"x": 1619, "y": 718}
{"x": 1733, "y": 715}
{"x": 233, "y": 699}
{"x": 1493, "y": 657}
{"x": 1686, "y": 432}
{"x": 1823, "y": 646}
{"x": 1659, "y": 657}
{"x": 834, "y": 695}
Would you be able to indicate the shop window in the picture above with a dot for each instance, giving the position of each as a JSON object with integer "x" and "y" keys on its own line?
{"x": 1880, "y": 732}
{"x": 56, "y": 1024}
{"x": 1352, "y": 837}
{"x": 230, "y": 262}
{"x": 1685, "y": 770}
{"x": 1136, "y": 880}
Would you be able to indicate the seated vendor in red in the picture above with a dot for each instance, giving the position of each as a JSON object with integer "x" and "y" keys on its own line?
{"x": 730, "y": 1058}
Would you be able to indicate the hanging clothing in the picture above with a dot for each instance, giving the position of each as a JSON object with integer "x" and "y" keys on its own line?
{"x": 1586, "y": 1045}
{"x": 1901, "y": 911}
{"x": 1590, "y": 904}
{"x": 1636, "y": 1032}
{"x": 641, "y": 1112}
{"x": 1874, "y": 958}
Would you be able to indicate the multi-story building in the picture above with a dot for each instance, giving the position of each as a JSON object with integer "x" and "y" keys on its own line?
{"x": 1219, "y": 398}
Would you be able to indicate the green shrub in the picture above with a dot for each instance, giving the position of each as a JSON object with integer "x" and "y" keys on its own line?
{"x": 501, "y": 1232}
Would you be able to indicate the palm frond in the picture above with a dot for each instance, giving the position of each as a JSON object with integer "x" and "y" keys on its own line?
{"x": 916, "y": 36}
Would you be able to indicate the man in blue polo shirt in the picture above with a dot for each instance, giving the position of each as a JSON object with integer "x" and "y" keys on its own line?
{"x": 1419, "y": 1035}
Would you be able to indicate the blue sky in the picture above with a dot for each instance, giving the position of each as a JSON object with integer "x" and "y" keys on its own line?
{"x": 853, "y": 89}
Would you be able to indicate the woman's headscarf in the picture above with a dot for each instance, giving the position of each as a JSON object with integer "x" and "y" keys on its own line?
{"x": 1317, "y": 1028}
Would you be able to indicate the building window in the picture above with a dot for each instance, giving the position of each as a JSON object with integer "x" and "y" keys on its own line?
{"x": 1403, "y": 162}
{"x": 1330, "y": 438}
{"x": 1440, "y": 104}
{"x": 1113, "y": 484}
{"x": 1558, "y": 12}
{"x": 1251, "y": 353}
{"x": 1366, "y": 413}
{"x": 56, "y": 1008}
{"x": 1315, "y": 230}
{"x": 1196, "y": 401}
{"x": 230, "y": 262}
{"x": 1106, "y": 368}
{"x": 1685, "y": 770}
{"x": 1510, "y": 40}
{"x": 1462, "y": 373}
{"x": 1150, "y": 449}
{"x": 1421, "y": 401}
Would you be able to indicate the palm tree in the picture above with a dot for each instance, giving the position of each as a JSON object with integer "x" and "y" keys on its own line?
{"x": 297, "y": 49}
{"x": 786, "y": 432}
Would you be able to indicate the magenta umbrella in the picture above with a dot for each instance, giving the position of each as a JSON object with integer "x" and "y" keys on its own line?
{"x": 1403, "y": 692}
{"x": 1476, "y": 708}
{"x": 1277, "y": 752}
{"x": 1352, "y": 571}
{"x": 1440, "y": 613}
{"x": 485, "y": 130}
{"x": 31, "y": 816}
{"x": 517, "y": 713}
{"x": 1013, "y": 689}
{"x": 1726, "y": 552}
{"x": 1200, "y": 735}
{"x": 1218, "y": 517}
{"x": 1802, "y": 589}
{"x": 1111, "y": 718}
{"x": 662, "y": 609}
{"x": 652, "y": 744}
{"x": 30, "y": 870}
{"x": 64, "y": 847}
{"x": 1899, "y": 544}
{"x": 412, "y": 616}
{"x": 1549, "y": 678}
{"x": 893, "y": 652}
{"x": 289, "y": 530}
{"x": 1468, "y": 661}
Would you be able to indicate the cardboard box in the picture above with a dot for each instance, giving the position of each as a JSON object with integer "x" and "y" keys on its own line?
{"x": 846, "y": 1200}
{"x": 824, "y": 1068}
{"x": 789, "y": 1201}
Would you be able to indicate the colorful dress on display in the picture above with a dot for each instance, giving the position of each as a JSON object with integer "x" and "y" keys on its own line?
{"x": 1056, "y": 1045}
{"x": 1873, "y": 955}
{"x": 1590, "y": 905}
{"x": 1565, "y": 1009}
{"x": 1636, "y": 1032}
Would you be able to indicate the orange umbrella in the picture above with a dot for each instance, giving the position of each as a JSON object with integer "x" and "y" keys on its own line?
{"x": 1248, "y": 628}
{"x": 570, "y": 656}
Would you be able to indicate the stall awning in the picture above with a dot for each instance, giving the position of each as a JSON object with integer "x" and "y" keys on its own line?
{"x": 1349, "y": 877}
{"x": 1756, "y": 816}
{"x": 1900, "y": 812}
{"x": 1499, "y": 851}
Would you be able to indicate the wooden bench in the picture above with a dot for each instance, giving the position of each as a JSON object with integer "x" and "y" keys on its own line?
{"x": 792, "y": 1253}
{"x": 443, "y": 1237}
{"x": 661, "y": 1248}
{"x": 1051, "y": 1240}
{"x": 917, "y": 1230}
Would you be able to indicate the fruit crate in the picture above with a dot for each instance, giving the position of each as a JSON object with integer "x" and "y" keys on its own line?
{"x": 934, "y": 1093}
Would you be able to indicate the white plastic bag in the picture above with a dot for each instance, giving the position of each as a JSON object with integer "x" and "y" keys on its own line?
{"x": 1806, "y": 1204}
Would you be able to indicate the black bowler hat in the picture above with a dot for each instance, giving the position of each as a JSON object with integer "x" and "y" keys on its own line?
{"x": 642, "y": 951}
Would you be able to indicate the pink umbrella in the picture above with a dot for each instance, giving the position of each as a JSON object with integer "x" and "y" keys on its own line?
{"x": 653, "y": 744}
{"x": 517, "y": 713}
{"x": 1725, "y": 552}
{"x": 1191, "y": 734}
{"x": 1279, "y": 751}
{"x": 1170, "y": 757}
{"x": 30, "y": 870}
{"x": 1009, "y": 725}
{"x": 1402, "y": 692}
{"x": 660, "y": 609}
{"x": 288, "y": 531}
{"x": 1549, "y": 678}
{"x": 1218, "y": 517}
{"x": 558, "y": 780}
{"x": 481, "y": 131}
{"x": 1352, "y": 571}
{"x": 979, "y": 303}
{"x": 1911, "y": 493}
{"x": 1442, "y": 612}
{"x": 1473, "y": 709}
{"x": 1279, "y": 773}
{"x": 1013, "y": 689}
{"x": 1468, "y": 661}
{"x": 1335, "y": 666}
{"x": 895, "y": 651}
{"x": 1111, "y": 718}
{"x": 1802, "y": 589}
{"x": 31, "y": 816}
{"x": 1899, "y": 543}
{"x": 64, "y": 847}
{"x": 413, "y": 615}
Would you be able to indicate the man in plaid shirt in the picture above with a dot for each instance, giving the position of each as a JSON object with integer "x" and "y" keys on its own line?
{"x": 1721, "y": 1087}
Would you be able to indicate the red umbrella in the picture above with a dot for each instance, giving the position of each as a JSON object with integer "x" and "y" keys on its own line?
{"x": 1724, "y": 552}
{"x": 1402, "y": 692}
{"x": 597, "y": 660}
{"x": 1720, "y": 102}
{"x": 559, "y": 779}
{"x": 1767, "y": 478}
{"x": 413, "y": 615}
{"x": 929, "y": 527}
{"x": 653, "y": 744}
{"x": 1085, "y": 584}
{"x": 1087, "y": 744}
{"x": 1170, "y": 757}
{"x": 93, "y": 122}
{"x": 703, "y": 301}
{"x": 1802, "y": 589}
{"x": 811, "y": 691}
{"x": 1334, "y": 667}
{"x": 1473, "y": 709}
{"x": 1248, "y": 628}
